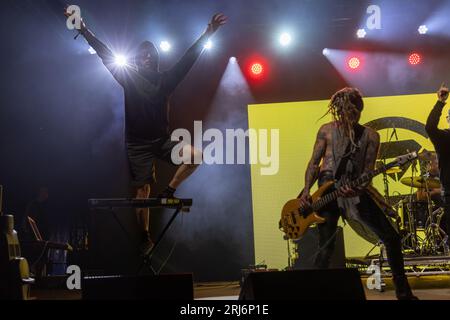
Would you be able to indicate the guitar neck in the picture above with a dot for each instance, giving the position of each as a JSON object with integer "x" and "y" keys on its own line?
{"x": 365, "y": 178}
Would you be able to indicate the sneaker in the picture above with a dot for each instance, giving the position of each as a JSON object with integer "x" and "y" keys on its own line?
{"x": 167, "y": 193}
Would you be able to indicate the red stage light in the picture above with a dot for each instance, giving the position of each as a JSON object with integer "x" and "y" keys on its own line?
{"x": 256, "y": 69}
{"x": 354, "y": 63}
{"x": 414, "y": 59}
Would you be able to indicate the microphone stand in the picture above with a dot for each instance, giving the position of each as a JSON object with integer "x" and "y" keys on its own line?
{"x": 385, "y": 175}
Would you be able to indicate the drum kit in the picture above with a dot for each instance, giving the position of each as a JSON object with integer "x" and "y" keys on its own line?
{"x": 420, "y": 211}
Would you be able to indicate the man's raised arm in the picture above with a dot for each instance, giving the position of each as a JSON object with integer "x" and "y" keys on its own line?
{"x": 177, "y": 73}
{"x": 105, "y": 53}
{"x": 433, "y": 119}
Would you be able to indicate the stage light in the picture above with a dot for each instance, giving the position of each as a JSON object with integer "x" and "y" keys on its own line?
{"x": 92, "y": 51}
{"x": 256, "y": 69}
{"x": 285, "y": 39}
{"x": 361, "y": 33}
{"x": 414, "y": 59}
{"x": 165, "y": 46}
{"x": 423, "y": 29}
{"x": 121, "y": 60}
{"x": 354, "y": 63}
{"x": 233, "y": 60}
{"x": 208, "y": 45}
{"x": 326, "y": 51}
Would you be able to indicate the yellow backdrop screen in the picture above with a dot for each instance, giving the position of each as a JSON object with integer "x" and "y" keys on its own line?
{"x": 298, "y": 123}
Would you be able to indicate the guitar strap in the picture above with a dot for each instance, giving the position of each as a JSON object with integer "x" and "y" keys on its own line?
{"x": 347, "y": 168}
{"x": 342, "y": 168}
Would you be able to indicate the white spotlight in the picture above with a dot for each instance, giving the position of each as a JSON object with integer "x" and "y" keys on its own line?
{"x": 233, "y": 60}
{"x": 423, "y": 29}
{"x": 326, "y": 51}
{"x": 285, "y": 39}
{"x": 92, "y": 51}
{"x": 165, "y": 46}
{"x": 208, "y": 45}
{"x": 361, "y": 33}
{"x": 121, "y": 60}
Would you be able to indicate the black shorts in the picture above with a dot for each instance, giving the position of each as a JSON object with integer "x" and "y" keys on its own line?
{"x": 142, "y": 154}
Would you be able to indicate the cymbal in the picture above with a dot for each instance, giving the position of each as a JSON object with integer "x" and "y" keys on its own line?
{"x": 394, "y": 170}
{"x": 421, "y": 182}
{"x": 427, "y": 155}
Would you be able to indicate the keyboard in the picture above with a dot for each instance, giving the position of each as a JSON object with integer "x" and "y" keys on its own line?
{"x": 170, "y": 203}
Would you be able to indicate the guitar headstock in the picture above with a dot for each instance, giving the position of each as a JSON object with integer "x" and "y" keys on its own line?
{"x": 401, "y": 160}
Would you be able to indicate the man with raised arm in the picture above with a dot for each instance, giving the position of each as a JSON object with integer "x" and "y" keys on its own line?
{"x": 147, "y": 93}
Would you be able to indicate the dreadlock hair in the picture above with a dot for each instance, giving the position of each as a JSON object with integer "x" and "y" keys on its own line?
{"x": 341, "y": 106}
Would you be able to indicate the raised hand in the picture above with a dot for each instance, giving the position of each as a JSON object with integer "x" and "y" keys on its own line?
{"x": 443, "y": 93}
{"x": 217, "y": 21}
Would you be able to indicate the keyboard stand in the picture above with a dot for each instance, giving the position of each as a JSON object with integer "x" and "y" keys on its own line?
{"x": 148, "y": 258}
{"x": 178, "y": 205}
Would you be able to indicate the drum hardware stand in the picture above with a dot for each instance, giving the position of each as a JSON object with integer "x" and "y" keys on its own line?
{"x": 409, "y": 232}
{"x": 435, "y": 236}
{"x": 412, "y": 223}
{"x": 385, "y": 176}
{"x": 412, "y": 228}
{"x": 439, "y": 213}
{"x": 430, "y": 239}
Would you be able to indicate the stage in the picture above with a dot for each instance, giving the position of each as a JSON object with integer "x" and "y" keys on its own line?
{"x": 225, "y": 150}
{"x": 425, "y": 287}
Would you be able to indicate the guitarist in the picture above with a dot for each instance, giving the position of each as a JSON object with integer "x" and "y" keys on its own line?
{"x": 343, "y": 151}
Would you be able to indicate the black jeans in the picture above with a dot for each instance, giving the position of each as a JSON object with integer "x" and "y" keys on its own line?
{"x": 374, "y": 219}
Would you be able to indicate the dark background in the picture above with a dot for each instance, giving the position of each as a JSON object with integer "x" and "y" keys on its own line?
{"x": 61, "y": 114}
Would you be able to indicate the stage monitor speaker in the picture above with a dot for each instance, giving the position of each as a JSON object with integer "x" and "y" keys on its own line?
{"x": 308, "y": 246}
{"x": 160, "y": 287}
{"x": 331, "y": 284}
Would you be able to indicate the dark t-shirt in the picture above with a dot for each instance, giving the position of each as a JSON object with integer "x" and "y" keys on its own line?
{"x": 441, "y": 142}
{"x": 147, "y": 94}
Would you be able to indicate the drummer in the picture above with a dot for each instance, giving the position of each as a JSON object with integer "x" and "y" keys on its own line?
{"x": 433, "y": 174}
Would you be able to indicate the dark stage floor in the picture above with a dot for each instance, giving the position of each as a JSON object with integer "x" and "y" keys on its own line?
{"x": 425, "y": 287}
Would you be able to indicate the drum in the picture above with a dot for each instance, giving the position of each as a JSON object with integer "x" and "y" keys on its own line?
{"x": 415, "y": 213}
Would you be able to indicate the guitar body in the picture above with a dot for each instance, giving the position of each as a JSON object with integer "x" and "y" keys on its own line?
{"x": 293, "y": 222}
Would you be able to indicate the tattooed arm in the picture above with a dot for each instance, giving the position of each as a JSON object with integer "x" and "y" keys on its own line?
{"x": 312, "y": 170}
